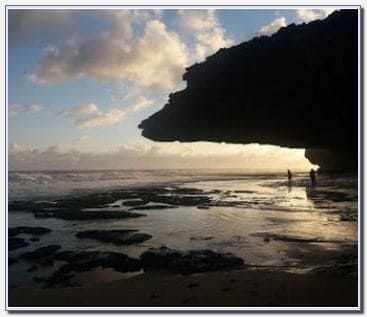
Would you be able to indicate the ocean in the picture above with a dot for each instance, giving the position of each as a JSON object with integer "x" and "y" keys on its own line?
{"x": 264, "y": 220}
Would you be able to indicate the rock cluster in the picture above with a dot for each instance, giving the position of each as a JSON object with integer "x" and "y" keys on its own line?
{"x": 187, "y": 262}
{"x": 117, "y": 237}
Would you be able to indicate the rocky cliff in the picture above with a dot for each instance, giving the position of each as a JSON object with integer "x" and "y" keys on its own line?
{"x": 297, "y": 88}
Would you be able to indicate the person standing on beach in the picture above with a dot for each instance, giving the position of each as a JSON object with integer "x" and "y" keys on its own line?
{"x": 289, "y": 176}
{"x": 313, "y": 176}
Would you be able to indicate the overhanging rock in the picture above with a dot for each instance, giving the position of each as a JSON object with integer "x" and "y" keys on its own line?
{"x": 297, "y": 88}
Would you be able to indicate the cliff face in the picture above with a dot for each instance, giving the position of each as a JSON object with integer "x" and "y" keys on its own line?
{"x": 297, "y": 88}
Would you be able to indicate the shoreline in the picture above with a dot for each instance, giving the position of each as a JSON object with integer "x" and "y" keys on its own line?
{"x": 245, "y": 288}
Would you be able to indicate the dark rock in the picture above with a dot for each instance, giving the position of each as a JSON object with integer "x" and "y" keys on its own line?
{"x": 71, "y": 202}
{"x": 86, "y": 215}
{"x": 244, "y": 191}
{"x": 137, "y": 238}
{"x": 174, "y": 196}
{"x": 85, "y": 261}
{"x": 74, "y": 208}
{"x": 332, "y": 160}
{"x": 16, "y": 243}
{"x": 26, "y": 205}
{"x": 203, "y": 207}
{"x": 12, "y": 260}
{"x": 348, "y": 217}
{"x": 190, "y": 261}
{"x": 320, "y": 197}
{"x": 135, "y": 202}
{"x": 117, "y": 237}
{"x": 34, "y": 239}
{"x": 41, "y": 254}
{"x": 32, "y": 268}
{"x": 285, "y": 238}
{"x": 202, "y": 238}
{"x": 152, "y": 207}
{"x": 38, "y": 279}
{"x": 69, "y": 256}
{"x": 192, "y": 285}
{"x": 310, "y": 75}
{"x": 38, "y": 231}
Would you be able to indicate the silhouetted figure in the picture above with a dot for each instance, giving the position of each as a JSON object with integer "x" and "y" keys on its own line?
{"x": 313, "y": 176}
{"x": 289, "y": 176}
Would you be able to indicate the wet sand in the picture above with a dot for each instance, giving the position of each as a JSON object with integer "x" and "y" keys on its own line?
{"x": 246, "y": 288}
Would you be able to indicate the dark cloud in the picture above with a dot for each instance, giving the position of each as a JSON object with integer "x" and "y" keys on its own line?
{"x": 27, "y": 25}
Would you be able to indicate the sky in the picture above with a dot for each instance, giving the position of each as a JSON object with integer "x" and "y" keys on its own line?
{"x": 80, "y": 82}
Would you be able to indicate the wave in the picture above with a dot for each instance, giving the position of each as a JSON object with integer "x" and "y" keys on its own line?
{"x": 54, "y": 177}
{"x": 37, "y": 178}
{"x": 47, "y": 177}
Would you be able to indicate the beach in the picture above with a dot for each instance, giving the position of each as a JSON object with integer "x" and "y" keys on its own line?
{"x": 182, "y": 239}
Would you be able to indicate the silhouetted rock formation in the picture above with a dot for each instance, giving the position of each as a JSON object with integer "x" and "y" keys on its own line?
{"x": 117, "y": 237}
{"x": 187, "y": 262}
{"x": 297, "y": 88}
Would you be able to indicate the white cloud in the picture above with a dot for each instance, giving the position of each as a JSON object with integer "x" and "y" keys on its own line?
{"x": 154, "y": 59}
{"x": 102, "y": 119}
{"x": 273, "y": 26}
{"x": 14, "y": 148}
{"x": 141, "y": 103}
{"x": 207, "y": 31}
{"x": 16, "y": 109}
{"x": 57, "y": 148}
{"x": 308, "y": 15}
{"x": 84, "y": 138}
{"x": 88, "y": 109}
{"x": 163, "y": 155}
{"x": 89, "y": 116}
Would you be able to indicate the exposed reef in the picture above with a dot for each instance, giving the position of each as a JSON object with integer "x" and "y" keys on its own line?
{"x": 187, "y": 262}
{"x": 166, "y": 259}
{"x": 117, "y": 237}
{"x": 86, "y": 261}
{"x": 297, "y": 88}
{"x": 103, "y": 206}
{"x": 16, "y": 243}
{"x": 38, "y": 231}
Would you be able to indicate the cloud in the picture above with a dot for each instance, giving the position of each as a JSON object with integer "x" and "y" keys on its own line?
{"x": 207, "y": 31}
{"x": 273, "y": 26}
{"x": 148, "y": 155}
{"x": 153, "y": 59}
{"x": 89, "y": 116}
{"x": 308, "y": 15}
{"x": 102, "y": 119}
{"x": 58, "y": 148}
{"x": 14, "y": 148}
{"x": 16, "y": 109}
{"x": 142, "y": 103}
{"x": 88, "y": 109}
{"x": 84, "y": 138}
{"x": 28, "y": 25}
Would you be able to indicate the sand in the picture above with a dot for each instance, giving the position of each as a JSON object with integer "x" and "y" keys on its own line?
{"x": 246, "y": 288}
